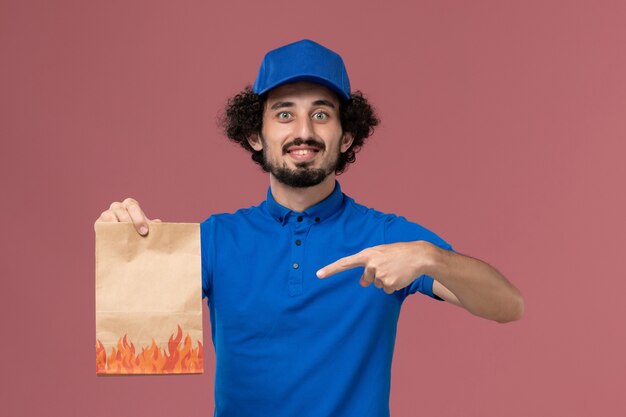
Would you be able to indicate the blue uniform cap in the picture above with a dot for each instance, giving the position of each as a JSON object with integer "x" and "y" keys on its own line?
{"x": 304, "y": 60}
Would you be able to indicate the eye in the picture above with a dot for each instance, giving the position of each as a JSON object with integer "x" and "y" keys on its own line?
{"x": 320, "y": 115}
{"x": 284, "y": 115}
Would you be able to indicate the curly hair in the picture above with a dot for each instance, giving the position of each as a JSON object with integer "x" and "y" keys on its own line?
{"x": 243, "y": 117}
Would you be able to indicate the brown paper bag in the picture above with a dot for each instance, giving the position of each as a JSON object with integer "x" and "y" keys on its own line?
{"x": 148, "y": 299}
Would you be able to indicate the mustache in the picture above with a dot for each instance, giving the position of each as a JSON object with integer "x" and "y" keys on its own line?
{"x": 308, "y": 142}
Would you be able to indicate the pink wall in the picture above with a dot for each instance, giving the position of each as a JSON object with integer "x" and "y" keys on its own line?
{"x": 503, "y": 131}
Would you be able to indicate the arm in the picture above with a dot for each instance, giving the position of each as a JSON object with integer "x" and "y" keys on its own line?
{"x": 459, "y": 279}
{"x": 474, "y": 285}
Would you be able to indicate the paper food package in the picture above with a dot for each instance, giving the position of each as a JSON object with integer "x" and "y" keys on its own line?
{"x": 148, "y": 299}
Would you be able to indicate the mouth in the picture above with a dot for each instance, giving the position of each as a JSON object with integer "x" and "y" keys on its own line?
{"x": 302, "y": 153}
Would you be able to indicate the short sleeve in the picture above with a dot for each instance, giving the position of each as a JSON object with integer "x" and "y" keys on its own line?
{"x": 399, "y": 229}
{"x": 207, "y": 233}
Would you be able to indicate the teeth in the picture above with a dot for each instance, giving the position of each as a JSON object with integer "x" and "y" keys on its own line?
{"x": 302, "y": 151}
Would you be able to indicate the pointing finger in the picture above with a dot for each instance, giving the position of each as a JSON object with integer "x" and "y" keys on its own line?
{"x": 342, "y": 264}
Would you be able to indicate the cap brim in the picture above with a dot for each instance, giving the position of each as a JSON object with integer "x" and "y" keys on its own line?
{"x": 311, "y": 78}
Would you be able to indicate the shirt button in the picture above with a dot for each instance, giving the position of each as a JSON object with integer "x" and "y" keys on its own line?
{"x": 298, "y": 242}
{"x": 317, "y": 219}
{"x": 296, "y": 266}
{"x": 299, "y": 218}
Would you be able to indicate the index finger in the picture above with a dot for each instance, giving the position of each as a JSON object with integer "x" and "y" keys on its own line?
{"x": 342, "y": 264}
{"x": 140, "y": 220}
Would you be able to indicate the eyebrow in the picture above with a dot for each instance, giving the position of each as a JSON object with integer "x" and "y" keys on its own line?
{"x": 283, "y": 104}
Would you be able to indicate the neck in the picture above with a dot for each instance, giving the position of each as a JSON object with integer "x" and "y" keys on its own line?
{"x": 300, "y": 199}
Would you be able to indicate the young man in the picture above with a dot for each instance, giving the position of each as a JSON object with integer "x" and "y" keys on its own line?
{"x": 294, "y": 332}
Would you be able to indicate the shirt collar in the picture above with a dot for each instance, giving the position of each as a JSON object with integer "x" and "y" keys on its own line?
{"x": 318, "y": 212}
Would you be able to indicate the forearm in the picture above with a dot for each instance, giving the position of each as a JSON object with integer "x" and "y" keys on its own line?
{"x": 480, "y": 288}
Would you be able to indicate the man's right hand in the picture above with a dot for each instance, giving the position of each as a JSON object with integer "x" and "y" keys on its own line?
{"x": 127, "y": 211}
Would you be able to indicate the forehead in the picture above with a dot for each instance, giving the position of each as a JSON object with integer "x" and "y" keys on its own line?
{"x": 301, "y": 91}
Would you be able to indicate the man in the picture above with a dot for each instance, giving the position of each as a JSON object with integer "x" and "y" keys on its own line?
{"x": 294, "y": 334}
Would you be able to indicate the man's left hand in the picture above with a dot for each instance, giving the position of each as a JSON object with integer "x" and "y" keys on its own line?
{"x": 390, "y": 267}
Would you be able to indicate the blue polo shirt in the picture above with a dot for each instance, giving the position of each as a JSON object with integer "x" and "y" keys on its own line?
{"x": 286, "y": 342}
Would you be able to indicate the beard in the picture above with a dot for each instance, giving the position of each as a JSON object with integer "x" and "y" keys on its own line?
{"x": 302, "y": 176}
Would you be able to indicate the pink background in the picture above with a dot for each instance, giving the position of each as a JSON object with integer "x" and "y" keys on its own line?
{"x": 503, "y": 131}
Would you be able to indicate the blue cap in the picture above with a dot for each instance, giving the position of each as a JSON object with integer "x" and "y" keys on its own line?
{"x": 304, "y": 60}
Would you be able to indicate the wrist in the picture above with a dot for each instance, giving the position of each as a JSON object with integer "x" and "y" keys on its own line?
{"x": 435, "y": 260}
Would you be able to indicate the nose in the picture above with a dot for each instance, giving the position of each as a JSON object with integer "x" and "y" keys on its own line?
{"x": 304, "y": 127}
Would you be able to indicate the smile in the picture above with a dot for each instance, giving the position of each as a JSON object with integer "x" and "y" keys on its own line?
{"x": 302, "y": 151}
{"x": 303, "y": 154}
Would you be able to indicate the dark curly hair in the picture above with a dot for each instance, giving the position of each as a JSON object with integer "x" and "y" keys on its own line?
{"x": 243, "y": 117}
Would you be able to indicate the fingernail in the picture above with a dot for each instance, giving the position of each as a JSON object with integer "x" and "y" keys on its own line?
{"x": 143, "y": 230}
{"x": 320, "y": 274}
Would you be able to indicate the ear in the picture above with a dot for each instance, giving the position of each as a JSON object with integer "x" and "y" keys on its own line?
{"x": 346, "y": 141}
{"x": 255, "y": 141}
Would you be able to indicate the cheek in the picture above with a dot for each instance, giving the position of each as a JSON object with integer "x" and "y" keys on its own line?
{"x": 272, "y": 149}
{"x": 341, "y": 146}
{"x": 276, "y": 132}
{"x": 330, "y": 132}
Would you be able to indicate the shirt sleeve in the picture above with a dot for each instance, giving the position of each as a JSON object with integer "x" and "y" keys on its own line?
{"x": 207, "y": 249}
{"x": 399, "y": 229}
